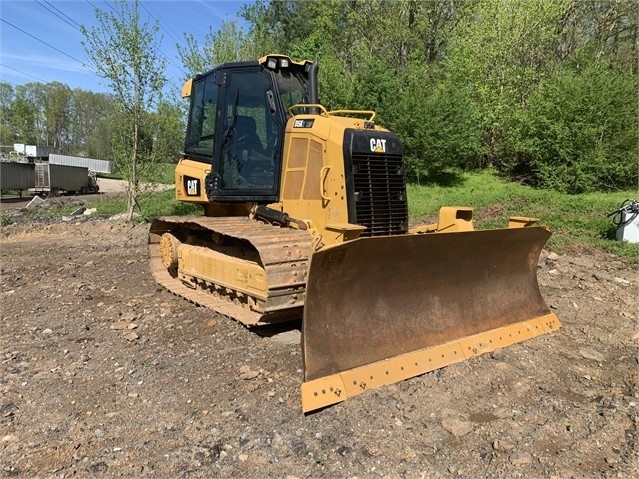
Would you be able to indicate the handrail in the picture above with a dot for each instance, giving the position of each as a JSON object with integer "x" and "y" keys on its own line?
{"x": 354, "y": 112}
{"x": 323, "y": 110}
{"x": 323, "y": 182}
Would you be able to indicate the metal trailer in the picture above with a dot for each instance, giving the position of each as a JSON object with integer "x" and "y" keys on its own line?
{"x": 93, "y": 164}
{"x": 55, "y": 179}
{"x": 16, "y": 176}
{"x": 33, "y": 151}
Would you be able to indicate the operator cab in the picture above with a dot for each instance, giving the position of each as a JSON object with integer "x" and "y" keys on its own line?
{"x": 236, "y": 123}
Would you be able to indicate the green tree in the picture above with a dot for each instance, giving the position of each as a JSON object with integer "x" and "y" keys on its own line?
{"x": 271, "y": 22}
{"x": 23, "y": 117}
{"x": 90, "y": 133}
{"x": 580, "y": 132}
{"x": 6, "y": 102}
{"x": 229, "y": 43}
{"x": 307, "y": 31}
{"x": 501, "y": 53}
{"x": 30, "y": 114}
{"x": 125, "y": 52}
{"x": 471, "y": 83}
{"x": 610, "y": 28}
{"x": 169, "y": 133}
{"x": 440, "y": 128}
{"x": 57, "y": 113}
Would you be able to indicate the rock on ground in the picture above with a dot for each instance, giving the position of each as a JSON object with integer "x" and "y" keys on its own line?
{"x": 106, "y": 374}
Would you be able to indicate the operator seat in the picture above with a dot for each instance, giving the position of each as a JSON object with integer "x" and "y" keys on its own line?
{"x": 246, "y": 136}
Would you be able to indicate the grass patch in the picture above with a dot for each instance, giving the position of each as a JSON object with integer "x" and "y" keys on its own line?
{"x": 576, "y": 220}
{"x": 163, "y": 173}
{"x": 5, "y": 219}
{"x": 165, "y": 204}
{"x": 152, "y": 206}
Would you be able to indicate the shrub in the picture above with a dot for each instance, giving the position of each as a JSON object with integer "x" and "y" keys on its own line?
{"x": 579, "y": 132}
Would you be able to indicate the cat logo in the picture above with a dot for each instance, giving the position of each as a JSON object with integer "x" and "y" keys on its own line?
{"x": 378, "y": 146}
{"x": 192, "y": 186}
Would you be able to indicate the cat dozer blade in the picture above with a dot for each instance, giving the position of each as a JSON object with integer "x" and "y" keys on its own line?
{"x": 382, "y": 309}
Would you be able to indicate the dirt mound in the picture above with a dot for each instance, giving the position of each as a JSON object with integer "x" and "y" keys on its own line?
{"x": 105, "y": 374}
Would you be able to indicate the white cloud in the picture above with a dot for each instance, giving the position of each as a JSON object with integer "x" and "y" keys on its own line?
{"x": 31, "y": 63}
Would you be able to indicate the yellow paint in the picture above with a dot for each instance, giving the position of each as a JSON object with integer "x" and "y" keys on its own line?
{"x": 313, "y": 191}
{"x": 521, "y": 221}
{"x": 187, "y": 88}
{"x": 454, "y": 219}
{"x": 223, "y": 270}
{"x": 332, "y": 389}
{"x": 194, "y": 169}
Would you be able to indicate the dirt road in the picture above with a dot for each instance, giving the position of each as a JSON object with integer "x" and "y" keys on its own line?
{"x": 104, "y": 374}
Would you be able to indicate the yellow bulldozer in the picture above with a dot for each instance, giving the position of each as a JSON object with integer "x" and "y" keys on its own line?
{"x": 305, "y": 216}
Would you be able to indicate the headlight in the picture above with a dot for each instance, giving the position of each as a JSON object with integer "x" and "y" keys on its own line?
{"x": 272, "y": 63}
{"x": 284, "y": 63}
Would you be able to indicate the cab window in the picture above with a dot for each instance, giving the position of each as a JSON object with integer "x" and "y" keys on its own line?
{"x": 251, "y": 134}
{"x": 200, "y": 135}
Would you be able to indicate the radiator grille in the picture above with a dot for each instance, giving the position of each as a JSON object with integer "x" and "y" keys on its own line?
{"x": 380, "y": 194}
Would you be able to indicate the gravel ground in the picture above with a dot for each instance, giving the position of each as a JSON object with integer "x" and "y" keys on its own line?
{"x": 104, "y": 374}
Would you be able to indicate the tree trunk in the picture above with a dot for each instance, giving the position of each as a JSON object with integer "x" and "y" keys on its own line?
{"x": 133, "y": 177}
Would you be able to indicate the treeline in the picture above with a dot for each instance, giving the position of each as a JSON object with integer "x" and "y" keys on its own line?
{"x": 54, "y": 115}
{"x": 544, "y": 91}
{"x": 80, "y": 122}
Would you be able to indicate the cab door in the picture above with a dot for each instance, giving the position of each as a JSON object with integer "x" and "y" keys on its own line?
{"x": 247, "y": 166}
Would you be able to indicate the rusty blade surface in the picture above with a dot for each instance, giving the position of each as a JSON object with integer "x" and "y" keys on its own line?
{"x": 376, "y": 298}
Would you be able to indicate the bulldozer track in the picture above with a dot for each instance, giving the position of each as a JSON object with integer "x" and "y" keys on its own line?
{"x": 283, "y": 254}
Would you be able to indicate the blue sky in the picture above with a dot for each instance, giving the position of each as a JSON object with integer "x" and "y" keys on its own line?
{"x": 56, "y": 54}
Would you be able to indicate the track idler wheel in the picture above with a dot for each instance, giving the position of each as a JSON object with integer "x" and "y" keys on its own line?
{"x": 169, "y": 245}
